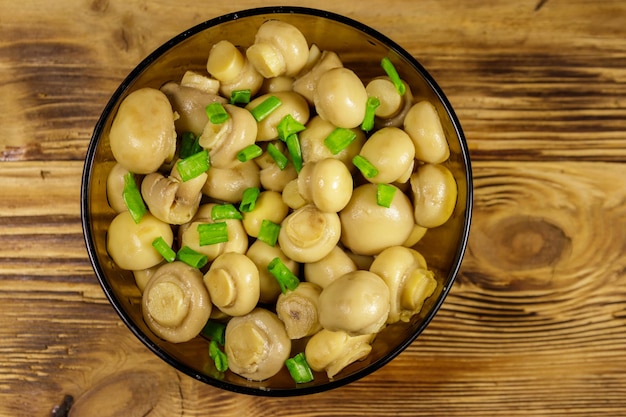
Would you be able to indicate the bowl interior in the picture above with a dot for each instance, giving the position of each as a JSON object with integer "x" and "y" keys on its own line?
{"x": 361, "y": 49}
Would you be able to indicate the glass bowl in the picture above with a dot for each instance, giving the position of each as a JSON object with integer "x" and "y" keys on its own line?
{"x": 361, "y": 48}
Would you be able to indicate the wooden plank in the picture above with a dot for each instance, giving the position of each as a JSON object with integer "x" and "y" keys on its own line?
{"x": 526, "y": 83}
{"x": 520, "y": 333}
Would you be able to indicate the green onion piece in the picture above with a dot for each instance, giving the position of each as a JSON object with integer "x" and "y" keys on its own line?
{"x": 164, "y": 249}
{"x": 189, "y": 145}
{"x": 339, "y": 139}
{"x": 191, "y": 257}
{"x": 212, "y": 233}
{"x": 268, "y": 232}
{"x": 393, "y": 75}
{"x": 299, "y": 369}
{"x": 249, "y": 152}
{"x": 240, "y": 96}
{"x": 288, "y": 126}
{"x": 370, "y": 113}
{"x": 384, "y": 194}
{"x": 216, "y": 113}
{"x": 132, "y": 198}
{"x": 194, "y": 165}
{"x": 278, "y": 157}
{"x": 367, "y": 169}
{"x": 248, "y": 200}
{"x": 265, "y": 108}
{"x": 286, "y": 279}
{"x": 224, "y": 212}
{"x": 214, "y": 330}
{"x": 293, "y": 146}
{"x": 219, "y": 357}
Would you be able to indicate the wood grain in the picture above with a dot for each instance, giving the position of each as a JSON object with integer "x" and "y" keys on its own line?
{"x": 534, "y": 325}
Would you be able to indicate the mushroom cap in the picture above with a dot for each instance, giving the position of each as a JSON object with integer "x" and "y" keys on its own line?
{"x": 175, "y": 303}
{"x": 434, "y": 194}
{"x": 423, "y": 125}
{"x": 143, "y": 134}
{"x": 308, "y": 234}
{"x": 367, "y": 228}
{"x": 391, "y": 151}
{"x": 233, "y": 283}
{"x": 340, "y": 98}
{"x": 356, "y": 303}
{"x": 257, "y": 344}
{"x": 130, "y": 244}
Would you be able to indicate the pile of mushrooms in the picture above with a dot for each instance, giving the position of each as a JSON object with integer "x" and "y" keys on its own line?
{"x": 353, "y": 256}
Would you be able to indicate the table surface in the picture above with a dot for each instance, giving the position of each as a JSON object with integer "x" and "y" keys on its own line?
{"x": 536, "y": 321}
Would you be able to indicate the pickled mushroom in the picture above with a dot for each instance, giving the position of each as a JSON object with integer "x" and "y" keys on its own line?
{"x": 329, "y": 268}
{"x": 405, "y": 272}
{"x": 170, "y": 199}
{"x": 225, "y": 140}
{"x": 130, "y": 244}
{"x": 298, "y": 309}
{"x": 115, "y": 188}
{"x": 314, "y": 149}
{"x": 392, "y": 152}
{"x": 175, "y": 303}
{"x": 308, "y": 234}
{"x": 233, "y": 283}
{"x": 327, "y": 183}
{"x": 332, "y": 351}
{"x": 279, "y": 49}
{"x": 340, "y": 98}
{"x": 367, "y": 228}
{"x": 291, "y": 104}
{"x": 434, "y": 195}
{"x": 143, "y": 134}
{"x": 257, "y": 345}
{"x": 189, "y": 236}
{"x": 262, "y": 254}
{"x": 356, "y": 303}
{"x": 228, "y": 184}
{"x": 190, "y": 104}
{"x": 423, "y": 125}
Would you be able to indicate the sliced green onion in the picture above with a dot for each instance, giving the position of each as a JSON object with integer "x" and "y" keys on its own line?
{"x": 288, "y": 126}
{"x": 191, "y": 257}
{"x": 194, "y": 165}
{"x": 385, "y": 194}
{"x": 219, "y": 357}
{"x": 212, "y": 233}
{"x": 225, "y": 212}
{"x": 164, "y": 249}
{"x": 268, "y": 232}
{"x": 299, "y": 369}
{"x": 265, "y": 108}
{"x": 214, "y": 330}
{"x": 278, "y": 157}
{"x": 367, "y": 169}
{"x": 248, "y": 200}
{"x": 339, "y": 139}
{"x": 393, "y": 75}
{"x": 249, "y": 152}
{"x": 216, "y": 113}
{"x": 370, "y": 113}
{"x": 189, "y": 145}
{"x": 240, "y": 96}
{"x": 293, "y": 146}
{"x": 132, "y": 198}
{"x": 286, "y": 279}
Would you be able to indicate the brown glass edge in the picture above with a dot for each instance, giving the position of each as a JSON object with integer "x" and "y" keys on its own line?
{"x": 86, "y": 179}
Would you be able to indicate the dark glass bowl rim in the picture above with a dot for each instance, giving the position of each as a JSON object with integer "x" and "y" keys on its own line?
{"x": 87, "y": 177}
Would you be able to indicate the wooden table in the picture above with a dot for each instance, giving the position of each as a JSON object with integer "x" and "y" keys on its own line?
{"x": 534, "y": 325}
